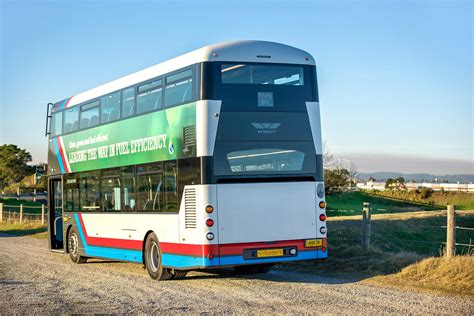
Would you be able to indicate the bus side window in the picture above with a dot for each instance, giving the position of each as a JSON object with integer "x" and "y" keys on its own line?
{"x": 71, "y": 193}
{"x": 57, "y": 124}
{"x": 110, "y": 108}
{"x": 110, "y": 191}
{"x": 89, "y": 191}
{"x": 128, "y": 190}
{"x": 71, "y": 119}
{"x": 171, "y": 193}
{"x": 150, "y": 192}
{"x": 149, "y": 97}
{"x": 179, "y": 88}
{"x": 128, "y": 102}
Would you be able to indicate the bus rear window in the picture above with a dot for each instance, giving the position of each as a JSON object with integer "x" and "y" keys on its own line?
{"x": 262, "y": 74}
{"x": 265, "y": 160}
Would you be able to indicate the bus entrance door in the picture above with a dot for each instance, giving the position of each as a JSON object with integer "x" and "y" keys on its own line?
{"x": 55, "y": 217}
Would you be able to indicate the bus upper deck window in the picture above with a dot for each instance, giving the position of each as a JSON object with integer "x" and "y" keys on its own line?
{"x": 128, "y": 102}
{"x": 71, "y": 120}
{"x": 57, "y": 124}
{"x": 179, "y": 88}
{"x": 110, "y": 107}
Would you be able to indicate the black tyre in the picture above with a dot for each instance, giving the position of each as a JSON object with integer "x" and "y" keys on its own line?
{"x": 179, "y": 274}
{"x": 73, "y": 246}
{"x": 153, "y": 259}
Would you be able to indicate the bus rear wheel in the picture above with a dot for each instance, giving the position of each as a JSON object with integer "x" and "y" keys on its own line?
{"x": 153, "y": 257}
{"x": 73, "y": 246}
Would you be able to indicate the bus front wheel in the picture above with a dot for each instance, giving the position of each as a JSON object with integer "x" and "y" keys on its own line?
{"x": 153, "y": 257}
{"x": 73, "y": 246}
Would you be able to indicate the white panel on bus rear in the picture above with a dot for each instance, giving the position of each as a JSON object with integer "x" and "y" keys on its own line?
{"x": 259, "y": 212}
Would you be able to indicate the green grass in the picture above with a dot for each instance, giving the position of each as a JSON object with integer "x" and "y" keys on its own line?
{"x": 350, "y": 203}
{"x": 24, "y": 229}
{"x": 462, "y": 200}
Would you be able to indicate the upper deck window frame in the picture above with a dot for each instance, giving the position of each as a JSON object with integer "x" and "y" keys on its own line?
{"x": 194, "y": 68}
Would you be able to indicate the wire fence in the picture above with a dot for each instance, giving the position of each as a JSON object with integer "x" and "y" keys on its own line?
{"x": 23, "y": 213}
{"x": 453, "y": 235}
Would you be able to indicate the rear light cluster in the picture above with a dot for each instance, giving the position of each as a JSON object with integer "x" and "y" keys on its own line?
{"x": 209, "y": 223}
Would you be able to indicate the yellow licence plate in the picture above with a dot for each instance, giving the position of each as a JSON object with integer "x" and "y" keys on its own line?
{"x": 313, "y": 243}
{"x": 269, "y": 253}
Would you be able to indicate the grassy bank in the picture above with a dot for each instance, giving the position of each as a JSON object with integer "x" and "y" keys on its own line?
{"x": 451, "y": 276}
{"x": 397, "y": 241}
{"x": 350, "y": 203}
{"x": 23, "y": 229}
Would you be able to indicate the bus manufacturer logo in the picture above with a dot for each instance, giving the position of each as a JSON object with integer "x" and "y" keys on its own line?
{"x": 266, "y": 128}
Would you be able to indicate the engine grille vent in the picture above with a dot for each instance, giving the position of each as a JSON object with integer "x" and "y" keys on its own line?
{"x": 189, "y": 136}
{"x": 190, "y": 208}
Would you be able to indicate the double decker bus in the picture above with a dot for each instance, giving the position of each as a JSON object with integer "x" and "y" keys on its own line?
{"x": 209, "y": 160}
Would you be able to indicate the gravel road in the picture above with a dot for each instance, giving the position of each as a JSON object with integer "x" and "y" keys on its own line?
{"x": 34, "y": 280}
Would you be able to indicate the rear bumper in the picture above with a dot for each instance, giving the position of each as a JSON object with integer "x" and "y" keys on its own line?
{"x": 228, "y": 255}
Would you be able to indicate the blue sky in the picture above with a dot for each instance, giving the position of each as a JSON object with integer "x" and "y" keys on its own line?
{"x": 395, "y": 76}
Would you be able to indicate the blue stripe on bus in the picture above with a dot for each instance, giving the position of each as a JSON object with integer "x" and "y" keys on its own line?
{"x": 179, "y": 261}
{"x": 105, "y": 252}
{"x": 302, "y": 255}
{"x": 58, "y": 154}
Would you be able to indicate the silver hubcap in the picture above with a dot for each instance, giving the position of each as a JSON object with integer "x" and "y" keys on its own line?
{"x": 154, "y": 256}
{"x": 73, "y": 244}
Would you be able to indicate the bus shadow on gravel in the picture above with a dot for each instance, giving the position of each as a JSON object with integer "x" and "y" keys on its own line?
{"x": 277, "y": 275}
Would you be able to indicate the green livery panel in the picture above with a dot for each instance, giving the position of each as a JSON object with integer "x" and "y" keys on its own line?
{"x": 157, "y": 136}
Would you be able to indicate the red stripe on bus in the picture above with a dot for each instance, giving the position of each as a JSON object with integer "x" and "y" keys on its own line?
{"x": 63, "y": 157}
{"x": 109, "y": 242}
{"x": 67, "y": 102}
{"x": 191, "y": 249}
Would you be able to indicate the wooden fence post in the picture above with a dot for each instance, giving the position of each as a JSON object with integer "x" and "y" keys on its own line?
{"x": 1, "y": 212}
{"x": 366, "y": 216}
{"x": 42, "y": 214}
{"x": 21, "y": 213}
{"x": 451, "y": 233}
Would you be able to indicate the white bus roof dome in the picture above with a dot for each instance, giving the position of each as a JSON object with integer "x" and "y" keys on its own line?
{"x": 253, "y": 51}
{"x": 236, "y": 51}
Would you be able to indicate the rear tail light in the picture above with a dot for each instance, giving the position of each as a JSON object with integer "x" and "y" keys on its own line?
{"x": 322, "y": 217}
{"x": 322, "y": 204}
{"x": 209, "y": 222}
{"x": 210, "y": 256}
{"x": 209, "y": 209}
{"x": 323, "y": 249}
{"x": 323, "y": 230}
{"x": 210, "y": 236}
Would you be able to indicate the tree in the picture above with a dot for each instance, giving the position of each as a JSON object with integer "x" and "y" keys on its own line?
{"x": 395, "y": 184}
{"x": 328, "y": 158}
{"x": 336, "y": 180}
{"x": 13, "y": 164}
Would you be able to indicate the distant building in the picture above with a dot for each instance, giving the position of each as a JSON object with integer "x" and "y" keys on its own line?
{"x": 448, "y": 187}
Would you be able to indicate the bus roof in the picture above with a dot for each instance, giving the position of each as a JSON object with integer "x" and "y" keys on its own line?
{"x": 236, "y": 51}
